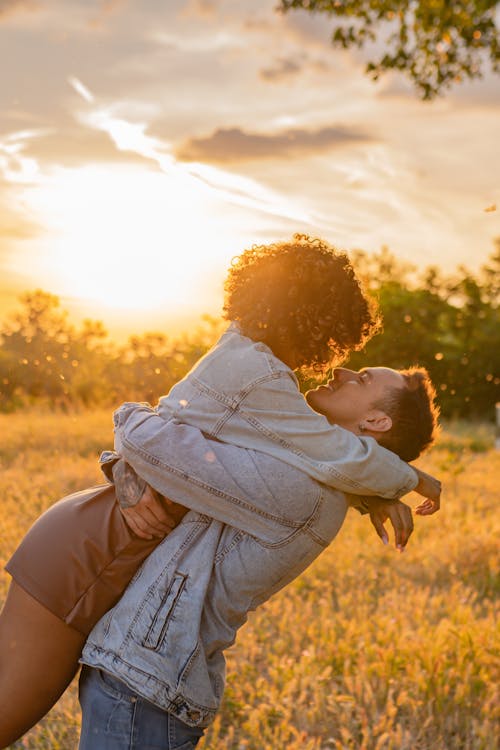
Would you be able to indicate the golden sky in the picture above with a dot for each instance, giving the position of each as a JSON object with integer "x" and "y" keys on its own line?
{"x": 143, "y": 144}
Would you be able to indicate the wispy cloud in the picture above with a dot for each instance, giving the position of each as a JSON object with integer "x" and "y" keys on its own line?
{"x": 283, "y": 67}
{"x": 236, "y": 189}
{"x": 200, "y": 43}
{"x": 15, "y": 166}
{"x": 81, "y": 89}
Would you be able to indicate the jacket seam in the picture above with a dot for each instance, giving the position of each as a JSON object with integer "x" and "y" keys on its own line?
{"x": 308, "y": 528}
{"x": 220, "y": 556}
{"x": 154, "y": 585}
{"x": 234, "y": 405}
{"x": 138, "y": 450}
{"x": 176, "y": 701}
{"x": 296, "y": 451}
{"x": 242, "y": 394}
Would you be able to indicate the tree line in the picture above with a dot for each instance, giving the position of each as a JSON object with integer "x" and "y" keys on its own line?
{"x": 448, "y": 324}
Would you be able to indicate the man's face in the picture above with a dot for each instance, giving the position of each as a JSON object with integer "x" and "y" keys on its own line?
{"x": 348, "y": 398}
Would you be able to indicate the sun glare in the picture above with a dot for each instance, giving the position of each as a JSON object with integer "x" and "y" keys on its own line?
{"x": 129, "y": 238}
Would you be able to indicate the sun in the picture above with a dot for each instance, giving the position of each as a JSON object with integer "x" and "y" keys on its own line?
{"x": 131, "y": 238}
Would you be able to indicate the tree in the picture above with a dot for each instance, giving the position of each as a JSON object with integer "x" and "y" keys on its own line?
{"x": 436, "y": 43}
{"x": 149, "y": 365}
{"x": 43, "y": 356}
{"x": 448, "y": 325}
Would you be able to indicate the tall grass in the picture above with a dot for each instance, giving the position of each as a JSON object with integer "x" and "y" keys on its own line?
{"x": 368, "y": 649}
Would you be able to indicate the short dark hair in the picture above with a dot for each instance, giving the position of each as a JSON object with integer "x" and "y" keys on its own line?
{"x": 300, "y": 296}
{"x": 414, "y": 415}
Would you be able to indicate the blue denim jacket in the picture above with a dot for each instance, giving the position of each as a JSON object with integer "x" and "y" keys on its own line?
{"x": 240, "y": 393}
{"x": 258, "y": 518}
{"x": 167, "y": 635}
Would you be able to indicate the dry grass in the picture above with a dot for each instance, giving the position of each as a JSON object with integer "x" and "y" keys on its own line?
{"x": 368, "y": 649}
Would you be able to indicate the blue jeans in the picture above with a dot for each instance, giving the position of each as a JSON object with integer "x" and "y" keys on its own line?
{"x": 116, "y": 718}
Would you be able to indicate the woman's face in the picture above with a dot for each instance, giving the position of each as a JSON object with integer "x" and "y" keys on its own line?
{"x": 348, "y": 398}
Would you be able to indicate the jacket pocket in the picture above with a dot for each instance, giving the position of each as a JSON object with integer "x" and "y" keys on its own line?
{"x": 161, "y": 620}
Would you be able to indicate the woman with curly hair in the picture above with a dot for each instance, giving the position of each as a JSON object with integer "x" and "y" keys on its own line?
{"x": 290, "y": 304}
{"x": 302, "y": 299}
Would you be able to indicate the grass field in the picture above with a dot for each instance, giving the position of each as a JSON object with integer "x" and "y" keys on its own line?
{"x": 369, "y": 649}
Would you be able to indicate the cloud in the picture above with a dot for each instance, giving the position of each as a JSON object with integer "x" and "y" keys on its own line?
{"x": 259, "y": 24}
{"x": 81, "y": 89}
{"x": 77, "y": 146}
{"x": 283, "y": 68}
{"x": 131, "y": 137}
{"x": 9, "y": 8}
{"x": 286, "y": 67}
{"x": 15, "y": 166}
{"x": 234, "y": 144}
{"x": 311, "y": 31}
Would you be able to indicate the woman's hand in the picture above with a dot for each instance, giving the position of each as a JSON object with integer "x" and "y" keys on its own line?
{"x": 430, "y": 488}
{"x": 150, "y": 517}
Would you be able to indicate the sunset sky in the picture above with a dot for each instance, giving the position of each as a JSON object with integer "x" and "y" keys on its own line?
{"x": 143, "y": 144}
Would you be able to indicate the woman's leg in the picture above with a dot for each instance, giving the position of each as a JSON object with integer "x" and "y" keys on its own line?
{"x": 38, "y": 659}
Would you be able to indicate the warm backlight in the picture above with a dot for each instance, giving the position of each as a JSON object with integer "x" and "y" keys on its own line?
{"x": 126, "y": 237}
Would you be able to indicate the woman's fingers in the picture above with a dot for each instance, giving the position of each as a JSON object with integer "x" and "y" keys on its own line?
{"x": 426, "y": 507}
{"x": 136, "y": 523}
{"x": 377, "y": 520}
{"x": 149, "y": 518}
{"x": 403, "y": 525}
{"x": 400, "y": 516}
{"x": 154, "y": 509}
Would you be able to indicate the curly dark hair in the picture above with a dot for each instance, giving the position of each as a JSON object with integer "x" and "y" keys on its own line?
{"x": 414, "y": 413}
{"x": 301, "y": 298}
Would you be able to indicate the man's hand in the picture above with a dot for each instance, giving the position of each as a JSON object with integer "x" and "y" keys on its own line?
{"x": 400, "y": 517}
{"x": 430, "y": 488}
{"x": 149, "y": 518}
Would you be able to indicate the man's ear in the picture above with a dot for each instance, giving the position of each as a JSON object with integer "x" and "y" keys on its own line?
{"x": 376, "y": 421}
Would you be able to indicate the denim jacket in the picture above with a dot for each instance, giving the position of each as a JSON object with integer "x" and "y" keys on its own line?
{"x": 258, "y": 518}
{"x": 240, "y": 393}
{"x": 167, "y": 635}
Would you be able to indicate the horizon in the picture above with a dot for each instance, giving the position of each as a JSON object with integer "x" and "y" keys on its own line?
{"x": 141, "y": 150}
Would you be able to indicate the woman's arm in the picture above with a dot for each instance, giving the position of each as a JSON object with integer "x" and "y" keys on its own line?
{"x": 273, "y": 417}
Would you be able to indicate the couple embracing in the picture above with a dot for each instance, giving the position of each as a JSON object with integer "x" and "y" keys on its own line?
{"x": 218, "y": 497}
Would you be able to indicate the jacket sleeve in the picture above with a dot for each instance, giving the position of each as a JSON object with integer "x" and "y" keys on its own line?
{"x": 274, "y": 418}
{"x": 217, "y": 479}
{"x": 283, "y": 422}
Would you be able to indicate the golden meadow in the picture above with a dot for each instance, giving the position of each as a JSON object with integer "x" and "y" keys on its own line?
{"x": 369, "y": 649}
